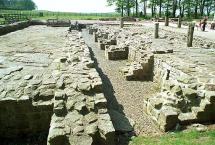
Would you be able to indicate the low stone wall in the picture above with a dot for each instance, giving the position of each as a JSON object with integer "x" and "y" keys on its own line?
{"x": 141, "y": 69}
{"x": 21, "y": 117}
{"x": 184, "y": 98}
{"x": 186, "y": 76}
{"x": 13, "y": 27}
{"x": 21, "y": 25}
{"x": 113, "y": 52}
{"x": 38, "y": 22}
{"x": 80, "y": 112}
{"x": 59, "y": 95}
{"x": 58, "y": 23}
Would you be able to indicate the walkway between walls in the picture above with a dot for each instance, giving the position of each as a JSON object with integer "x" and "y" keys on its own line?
{"x": 124, "y": 96}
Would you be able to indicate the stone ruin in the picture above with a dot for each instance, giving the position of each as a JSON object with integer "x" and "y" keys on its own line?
{"x": 114, "y": 52}
{"x": 58, "y": 23}
{"x": 187, "y": 88}
{"x": 61, "y": 96}
{"x": 128, "y": 46}
{"x": 80, "y": 113}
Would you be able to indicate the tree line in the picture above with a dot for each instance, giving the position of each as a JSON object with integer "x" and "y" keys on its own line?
{"x": 17, "y": 4}
{"x": 159, "y": 8}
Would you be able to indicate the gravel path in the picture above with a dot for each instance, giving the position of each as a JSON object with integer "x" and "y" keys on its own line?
{"x": 208, "y": 34}
{"x": 123, "y": 95}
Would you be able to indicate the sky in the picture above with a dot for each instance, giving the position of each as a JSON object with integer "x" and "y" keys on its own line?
{"x": 74, "y": 5}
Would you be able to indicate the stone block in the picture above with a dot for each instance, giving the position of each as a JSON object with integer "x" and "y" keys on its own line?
{"x": 168, "y": 119}
{"x": 116, "y": 53}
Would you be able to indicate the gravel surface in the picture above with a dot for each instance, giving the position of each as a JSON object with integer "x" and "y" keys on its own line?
{"x": 122, "y": 95}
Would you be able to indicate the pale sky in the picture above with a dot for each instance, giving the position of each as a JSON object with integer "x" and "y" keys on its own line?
{"x": 74, "y": 5}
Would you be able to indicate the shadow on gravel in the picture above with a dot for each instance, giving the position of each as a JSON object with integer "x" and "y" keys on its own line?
{"x": 123, "y": 128}
{"x": 122, "y": 125}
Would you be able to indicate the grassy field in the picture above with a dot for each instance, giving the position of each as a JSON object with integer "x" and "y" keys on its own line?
{"x": 61, "y": 15}
{"x": 181, "y": 138}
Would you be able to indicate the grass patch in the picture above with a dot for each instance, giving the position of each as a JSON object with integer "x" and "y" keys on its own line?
{"x": 180, "y": 138}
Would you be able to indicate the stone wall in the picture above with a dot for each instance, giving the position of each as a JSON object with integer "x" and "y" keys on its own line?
{"x": 13, "y": 27}
{"x": 184, "y": 98}
{"x": 186, "y": 76}
{"x": 24, "y": 24}
{"x": 80, "y": 113}
{"x": 58, "y": 23}
{"x": 20, "y": 118}
{"x": 59, "y": 95}
{"x": 116, "y": 52}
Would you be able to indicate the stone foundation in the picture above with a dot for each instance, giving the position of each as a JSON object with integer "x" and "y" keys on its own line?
{"x": 184, "y": 99}
{"x": 58, "y": 23}
{"x": 20, "y": 118}
{"x": 140, "y": 70}
{"x": 116, "y": 53}
{"x": 13, "y": 27}
{"x": 187, "y": 81}
{"x": 59, "y": 94}
{"x": 80, "y": 113}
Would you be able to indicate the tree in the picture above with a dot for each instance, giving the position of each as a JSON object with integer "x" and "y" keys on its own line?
{"x": 120, "y": 4}
{"x": 18, "y": 4}
{"x": 210, "y": 5}
{"x": 160, "y": 8}
{"x": 188, "y": 8}
{"x": 144, "y": 3}
{"x": 136, "y": 5}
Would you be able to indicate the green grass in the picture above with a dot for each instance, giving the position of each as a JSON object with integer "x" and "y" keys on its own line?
{"x": 62, "y": 15}
{"x": 181, "y": 138}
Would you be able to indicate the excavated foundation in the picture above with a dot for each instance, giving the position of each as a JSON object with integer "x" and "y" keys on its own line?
{"x": 50, "y": 91}
{"x": 186, "y": 75}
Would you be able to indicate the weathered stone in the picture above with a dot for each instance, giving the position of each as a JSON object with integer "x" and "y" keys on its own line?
{"x": 60, "y": 95}
{"x": 59, "y": 108}
{"x": 91, "y": 129}
{"x": 210, "y": 95}
{"x": 177, "y": 90}
{"x": 91, "y": 117}
{"x": 78, "y": 130}
{"x": 28, "y": 77}
{"x": 84, "y": 86}
{"x": 45, "y": 95}
{"x": 107, "y": 131}
{"x": 80, "y": 140}
{"x": 200, "y": 127}
{"x": 57, "y": 137}
{"x": 168, "y": 119}
{"x": 79, "y": 106}
{"x": 186, "y": 80}
{"x": 190, "y": 93}
{"x": 100, "y": 100}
